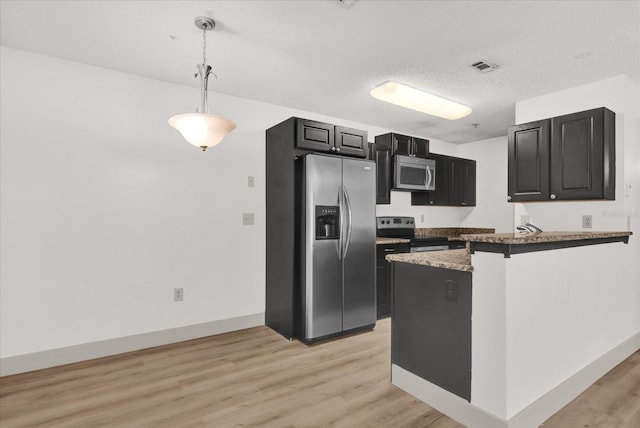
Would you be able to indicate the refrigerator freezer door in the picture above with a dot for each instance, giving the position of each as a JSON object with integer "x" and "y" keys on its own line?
{"x": 359, "y": 264}
{"x": 322, "y": 290}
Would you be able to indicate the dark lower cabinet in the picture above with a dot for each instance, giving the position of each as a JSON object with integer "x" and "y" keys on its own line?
{"x": 431, "y": 325}
{"x": 570, "y": 157}
{"x": 383, "y": 276}
{"x": 455, "y": 183}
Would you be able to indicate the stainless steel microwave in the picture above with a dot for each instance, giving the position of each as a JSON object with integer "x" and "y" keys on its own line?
{"x": 413, "y": 174}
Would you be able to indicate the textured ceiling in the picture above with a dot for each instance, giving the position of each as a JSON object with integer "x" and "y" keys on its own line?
{"x": 324, "y": 56}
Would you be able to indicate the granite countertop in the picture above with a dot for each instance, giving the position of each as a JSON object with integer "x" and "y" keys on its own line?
{"x": 447, "y": 259}
{"x": 453, "y": 233}
{"x": 382, "y": 240}
{"x": 528, "y": 238}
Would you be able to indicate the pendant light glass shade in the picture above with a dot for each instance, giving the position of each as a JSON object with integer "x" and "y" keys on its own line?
{"x": 415, "y": 99}
{"x": 202, "y": 130}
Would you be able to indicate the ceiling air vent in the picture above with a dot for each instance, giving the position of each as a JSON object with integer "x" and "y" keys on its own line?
{"x": 484, "y": 66}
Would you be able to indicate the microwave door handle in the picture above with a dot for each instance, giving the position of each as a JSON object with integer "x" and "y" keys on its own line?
{"x": 428, "y": 178}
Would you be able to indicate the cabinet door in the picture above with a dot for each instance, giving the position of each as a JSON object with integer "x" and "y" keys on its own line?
{"x": 382, "y": 156}
{"x": 469, "y": 183}
{"x": 315, "y": 136}
{"x": 528, "y": 158}
{"x": 402, "y": 145}
{"x": 457, "y": 181}
{"x": 577, "y": 156}
{"x": 421, "y": 148}
{"x": 352, "y": 142}
{"x": 383, "y": 277}
{"x": 440, "y": 196}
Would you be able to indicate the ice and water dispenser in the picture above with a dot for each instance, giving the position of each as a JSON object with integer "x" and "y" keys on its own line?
{"x": 327, "y": 222}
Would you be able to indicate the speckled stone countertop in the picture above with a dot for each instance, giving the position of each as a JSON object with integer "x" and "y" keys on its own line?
{"x": 453, "y": 233}
{"x": 529, "y": 238}
{"x": 382, "y": 240}
{"x": 447, "y": 259}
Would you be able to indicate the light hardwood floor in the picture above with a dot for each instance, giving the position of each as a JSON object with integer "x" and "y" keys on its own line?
{"x": 256, "y": 378}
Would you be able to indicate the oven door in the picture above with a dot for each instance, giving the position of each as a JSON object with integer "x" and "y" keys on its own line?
{"x": 413, "y": 174}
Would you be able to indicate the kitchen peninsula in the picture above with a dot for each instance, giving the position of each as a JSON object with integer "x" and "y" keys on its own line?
{"x": 506, "y": 332}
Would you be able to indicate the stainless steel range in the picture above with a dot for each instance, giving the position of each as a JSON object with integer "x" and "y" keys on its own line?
{"x": 405, "y": 227}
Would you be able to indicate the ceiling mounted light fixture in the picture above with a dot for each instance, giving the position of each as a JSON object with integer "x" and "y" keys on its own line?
{"x": 415, "y": 99}
{"x": 202, "y": 129}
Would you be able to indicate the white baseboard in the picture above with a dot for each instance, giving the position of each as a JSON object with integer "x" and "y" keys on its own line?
{"x": 531, "y": 416}
{"x": 547, "y": 405}
{"x": 88, "y": 351}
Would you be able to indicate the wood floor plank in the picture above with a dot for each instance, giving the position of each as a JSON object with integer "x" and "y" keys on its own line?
{"x": 256, "y": 378}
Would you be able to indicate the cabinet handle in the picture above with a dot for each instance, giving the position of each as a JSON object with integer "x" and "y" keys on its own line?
{"x": 509, "y": 198}
{"x": 338, "y": 149}
{"x": 553, "y": 196}
{"x": 463, "y": 203}
{"x": 333, "y": 149}
{"x": 389, "y": 250}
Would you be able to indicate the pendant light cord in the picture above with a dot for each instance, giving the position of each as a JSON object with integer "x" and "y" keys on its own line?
{"x": 204, "y": 47}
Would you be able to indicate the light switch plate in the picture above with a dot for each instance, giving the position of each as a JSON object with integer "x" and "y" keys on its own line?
{"x": 247, "y": 219}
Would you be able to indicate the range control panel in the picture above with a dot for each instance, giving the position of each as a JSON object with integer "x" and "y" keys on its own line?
{"x": 395, "y": 223}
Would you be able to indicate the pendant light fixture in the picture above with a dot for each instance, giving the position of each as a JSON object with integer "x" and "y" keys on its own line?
{"x": 202, "y": 129}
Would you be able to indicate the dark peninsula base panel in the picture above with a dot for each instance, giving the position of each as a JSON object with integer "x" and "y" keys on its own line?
{"x": 431, "y": 325}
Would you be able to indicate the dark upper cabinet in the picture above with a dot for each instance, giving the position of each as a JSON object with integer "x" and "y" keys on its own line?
{"x": 462, "y": 182}
{"x": 455, "y": 183}
{"x": 583, "y": 155}
{"x": 381, "y": 154}
{"x": 316, "y": 136}
{"x": 405, "y": 145}
{"x": 351, "y": 142}
{"x": 570, "y": 157}
{"x": 325, "y": 137}
{"x": 528, "y": 169}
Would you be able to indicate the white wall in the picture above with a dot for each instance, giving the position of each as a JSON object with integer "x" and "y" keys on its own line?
{"x": 492, "y": 208}
{"x": 105, "y": 208}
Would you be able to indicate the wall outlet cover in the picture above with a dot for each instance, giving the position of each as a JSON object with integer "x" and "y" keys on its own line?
{"x": 178, "y": 294}
{"x": 587, "y": 222}
{"x": 247, "y": 219}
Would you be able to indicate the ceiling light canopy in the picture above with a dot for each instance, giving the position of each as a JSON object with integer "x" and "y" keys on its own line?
{"x": 202, "y": 129}
{"x": 415, "y": 99}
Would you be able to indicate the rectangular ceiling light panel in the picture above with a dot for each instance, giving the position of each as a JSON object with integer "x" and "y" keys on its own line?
{"x": 415, "y": 99}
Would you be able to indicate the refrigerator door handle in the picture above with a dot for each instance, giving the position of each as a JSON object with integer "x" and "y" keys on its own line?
{"x": 348, "y": 238}
{"x": 340, "y": 243}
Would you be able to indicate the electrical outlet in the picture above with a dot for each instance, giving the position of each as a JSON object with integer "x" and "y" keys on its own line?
{"x": 247, "y": 219}
{"x": 524, "y": 219}
{"x": 421, "y": 218}
{"x": 178, "y": 294}
{"x": 250, "y": 181}
{"x": 587, "y": 222}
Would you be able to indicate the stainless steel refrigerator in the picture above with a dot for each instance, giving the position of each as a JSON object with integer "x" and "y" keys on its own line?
{"x": 338, "y": 263}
